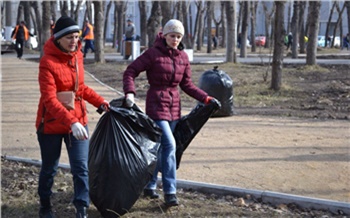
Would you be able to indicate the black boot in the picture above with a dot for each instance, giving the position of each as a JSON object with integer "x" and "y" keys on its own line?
{"x": 46, "y": 209}
{"x": 170, "y": 200}
{"x": 150, "y": 193}
{"x": 81, "y": 212}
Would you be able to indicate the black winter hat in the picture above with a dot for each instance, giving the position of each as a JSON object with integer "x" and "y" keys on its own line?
{"x": 65, "y": 25}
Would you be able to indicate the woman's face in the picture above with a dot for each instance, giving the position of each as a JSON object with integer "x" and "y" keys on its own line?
{"x": 173, "y": 39}
{"x": 69, "y": 42}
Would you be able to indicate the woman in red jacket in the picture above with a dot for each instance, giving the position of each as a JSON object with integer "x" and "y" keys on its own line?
{"x": 167, "y": 67}
{"x": 61, "y": 70}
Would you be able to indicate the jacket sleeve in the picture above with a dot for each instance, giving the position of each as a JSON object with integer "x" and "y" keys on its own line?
{"x": 48, "y": 91}
{"x": 142, "y": 63}
{"x": 91, "y": 96}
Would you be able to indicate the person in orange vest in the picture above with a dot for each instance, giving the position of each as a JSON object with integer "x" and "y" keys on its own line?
{"x": 88, "y": 36}
{"x": 21, "y": 34}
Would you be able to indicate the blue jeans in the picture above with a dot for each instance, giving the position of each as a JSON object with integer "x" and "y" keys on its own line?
{"x": 78, "y": 151}
{"x": 166, "y": 162}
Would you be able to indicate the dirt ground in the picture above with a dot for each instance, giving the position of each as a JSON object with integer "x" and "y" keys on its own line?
{"x": 295, "y": 147}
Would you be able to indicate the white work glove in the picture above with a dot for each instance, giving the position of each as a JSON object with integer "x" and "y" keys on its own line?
{"x": 129, "y": 100}
{"x": 79, "y": 132}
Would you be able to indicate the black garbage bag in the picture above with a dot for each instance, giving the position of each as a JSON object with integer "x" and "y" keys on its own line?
{"x": 122, "y": 158}
{"x": 219, "y": 85}
{"x": 188, "y": 126}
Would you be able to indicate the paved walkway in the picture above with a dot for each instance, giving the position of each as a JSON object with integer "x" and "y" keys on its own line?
{"x": 309, "y": 158}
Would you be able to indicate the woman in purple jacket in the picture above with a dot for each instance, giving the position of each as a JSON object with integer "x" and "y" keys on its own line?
{"x": 167, "y": 67}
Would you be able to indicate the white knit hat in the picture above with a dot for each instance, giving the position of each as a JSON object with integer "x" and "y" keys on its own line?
{"x": 173, "y": 26}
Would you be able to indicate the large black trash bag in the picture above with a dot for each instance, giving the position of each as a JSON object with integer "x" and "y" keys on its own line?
{"x": 188, "y": 126}
{"x": 219, "y": 85}
{"x": 122, "y": 158}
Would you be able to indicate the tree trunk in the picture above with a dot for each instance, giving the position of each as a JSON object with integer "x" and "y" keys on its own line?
{"x": 120, "y": 5}
{"x": 184, "y": 12}
{"x": 314, "y": 20}
{"x": 53, "y": 5}
{"x": 279, "y": 32}
{"x": 340, "y": 14}
{"x": 143, "y": 23}
{"x": 209, "y": 21}
{"x": 243, "y": 52}
{"x": 224, "y": 28}
{"x": 253, "y": 7}
{"x": 40, "y": 31}
{"x": 106, "y": 21}
{"x": 268, "y": 23}
{"x": 328, "y": 24}
{"x": 295, "y": 29}
{"x": 45, "y": 24}
{"x": 198, "y": 30}
{"x": 166, "y": 11}
{"x": 302, "y": 27}
{"x": 98, "y": 31}
{"x": 231, "y": 31}
{"x": 153, "y": 23}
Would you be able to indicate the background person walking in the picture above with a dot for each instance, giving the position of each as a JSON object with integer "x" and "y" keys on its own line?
{"x": 88, "y": 36}
{"x": 21, "y": 34}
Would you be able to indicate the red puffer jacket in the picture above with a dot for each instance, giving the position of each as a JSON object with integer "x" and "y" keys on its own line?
{"x": 166, "y": 69}
{"x": 57, "y": 72}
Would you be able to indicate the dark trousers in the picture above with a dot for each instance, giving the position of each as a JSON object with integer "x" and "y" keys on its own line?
{"x": 19, "y": 47}
{"x": 89, "y": 44}
{"x": 78, "y": 151}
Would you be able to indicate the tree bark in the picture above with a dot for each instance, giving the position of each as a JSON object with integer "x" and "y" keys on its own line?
{"x": 153, "y": 23}
{"x": 143, "y": 23}
{"x": 243, "y": 51}
{"x": 98, "y": 31}
{"x": 231, "y": 31}
{"x": 328, "y": 24}
{"x": 302, "y": 27}
{"x": 295, "y": 29}
{"x": 209, "y": 21}
{"x": 314, "y": 20}
{"x": 279, "y": 32}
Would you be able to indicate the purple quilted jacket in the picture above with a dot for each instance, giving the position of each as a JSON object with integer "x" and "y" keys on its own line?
{"x": 167, "y": 69}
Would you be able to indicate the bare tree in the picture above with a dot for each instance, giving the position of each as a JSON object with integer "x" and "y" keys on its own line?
{"x": 243, "y": 52}
{"x": 143, "y": 23}
{"x": 328, "y": 24}
{"x": 153, "y": 23}
{"x": 183, "y": 18}
{"x": 340, "y": 14}
{"x": 53, "y": 5}
{"x": 119, "y": 13}
{"x": 198, "y": 29}
{"x": 106, "y": 21}
{"x": 268, "y": 22}
{"x": 295, "y": 28}
{"x": 166, "y": 11}
{"x": 302, "y": 27}
{"x": 223, "y": 26}
{"x": 209, "y": 21}
{"x": 253, "y": 8}
{"x": 313, "y": 18}
{"x": 64, "y": 8}
{"x": 279, "y": 32}
{"x": 230, "y": 7}
{"x": 98, "y": 31}
{"x": 46, "y": 25}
